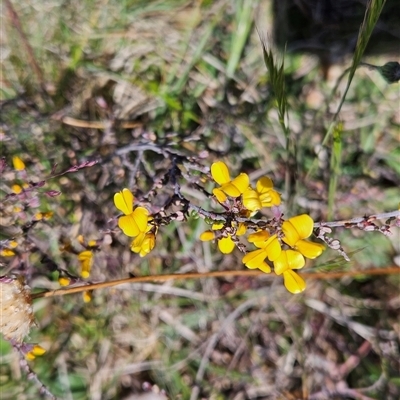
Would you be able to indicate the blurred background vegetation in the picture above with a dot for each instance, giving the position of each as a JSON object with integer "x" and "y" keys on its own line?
{"x": 103, "y": 79}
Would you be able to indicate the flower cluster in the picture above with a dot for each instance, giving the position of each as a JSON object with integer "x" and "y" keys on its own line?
{"x": 135, "y": 223}
{"x": 284, "y": 246}
{"x": 253, "y": 199}
{"x": 295, "y": 230}
{"x": 281, "y": 245}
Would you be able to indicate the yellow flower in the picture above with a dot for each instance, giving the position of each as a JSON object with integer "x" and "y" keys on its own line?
{"x": 64, "y": 281}
{"x": 135, "y": 220}
{"x": 293, "y": 282}
{"x": 18, "y": 163}
{"x": 144, "y": 243}
{"x": 86, "y": 260}
{"x": 232, "y": 188}
{"x": 298, "y": 228}
{"x": 42, "y": 215}
{"x": 88, "y": 245}
{"x": 269, "y": 247}
{"x": 87, "y": 296}
{"x": 263, "y": 196}
{"x": 35, "y": 352}
{"x": 7, "y": 253}
{"x": 288, "y": 259}
{"x": 225, "y": 244}
{"x": 16, "y": 189}
{"x": 285, "y": 264}
{"x": 92, "y": 243}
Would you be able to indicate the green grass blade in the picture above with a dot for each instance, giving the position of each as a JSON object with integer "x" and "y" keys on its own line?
{"x": 244, "y": 22}
{"x": 178, "y": 86}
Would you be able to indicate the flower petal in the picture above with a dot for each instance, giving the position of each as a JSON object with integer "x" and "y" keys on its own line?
{"x": 207, "y": 235}
{"x": 254, "y": 259}
{"x": 276, "y": 198}
{"x": 241, "y": 182}
{"x": 217, "y": 225}
{"x": 18, "y": 163}
{"x": 291, "y": 235}
{"x": 309, "y": 249}
{"x": 230, "y": 189}
{"x": 38, "y": 350}
{"x": 226, "y": 245}
{"x": 64, "y": 281}
{"x": 137, "y": 243}
{"x": 124, "y": 201}
{"x": 288, "y": 259}
{"x": 128, "y": 225}
{"x": 148, "y": 243}
{"x": 259, "y": 237}
{"x": 86, "y": 260}
{"x": 273, "y": 248}
{"x": 303, "y": 224}
{"x": 264, "y": 267}
{"x": 141, "y": 216}
{"x": 16, "y": 189}
{"x": 264, "y": 185}
{"x": 270, "y": 199}
{"x": 251, "y": 200}
{"x": 220, "y": 195}
{"x": 143, "y": 244}
{"x": 7, "y": 253}
{"x": 241, "y": 230}
{"x": 220, "y": 173}
{"x": 293, "y": 282}
{"x": 87, "y": 296}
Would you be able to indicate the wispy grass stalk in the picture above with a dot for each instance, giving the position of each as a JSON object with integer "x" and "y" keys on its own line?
{"x": 277, "y": 81}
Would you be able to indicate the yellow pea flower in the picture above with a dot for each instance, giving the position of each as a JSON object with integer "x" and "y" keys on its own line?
{"x": 123, "y": 200}
{"x": 18, "y": 163}
{"x": 263, "y": 196}
{"x": 64, "y": 281}
{"x": 144, "y": 243}
{"x": 225, "y": 244}
{"x": 7, "y": 253}
{"x": 293, "y": 282}
{"x": 135, "y": 220}
{"x": 285, "y": 264}
{"x": 36, "y": 351}
{"x": 86, "y": 260}
{"x": 228, "y": 187}
{"x": 298, "y": 228}
{"x": 17, "y": 189}
{"x": 87, "y": 296}
{"x": 269, "y": 247}
{"x": 288, "y": 259}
